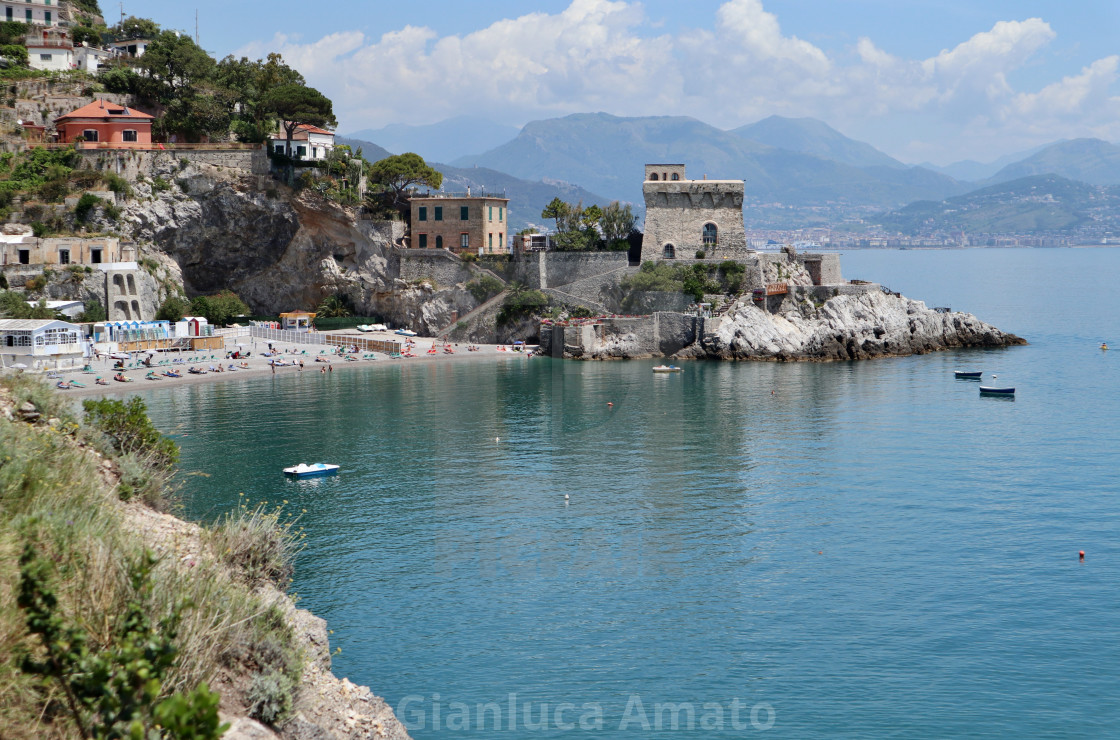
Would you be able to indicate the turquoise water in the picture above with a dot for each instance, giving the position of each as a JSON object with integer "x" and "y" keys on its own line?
{"x": 804, "y": 551}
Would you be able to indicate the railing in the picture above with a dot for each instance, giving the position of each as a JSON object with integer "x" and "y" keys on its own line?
{"x": 284, "y": 335}
{"x": 363, "y": 343}
{"x": 441, "y": 194}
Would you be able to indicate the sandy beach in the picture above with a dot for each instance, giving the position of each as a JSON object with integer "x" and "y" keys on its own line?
{"x": 285, "y": 360}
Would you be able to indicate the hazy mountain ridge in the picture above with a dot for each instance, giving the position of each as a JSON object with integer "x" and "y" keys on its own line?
{"x": 1092, "y": 161}
{"x": 1039, "y": 203}
{"x": 443, "y": 141}
{"x": 810, "y": 136}
{"x": 606, "y": 154}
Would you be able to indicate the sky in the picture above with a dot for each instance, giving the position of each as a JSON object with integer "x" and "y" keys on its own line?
{"x": 922, "y": 80}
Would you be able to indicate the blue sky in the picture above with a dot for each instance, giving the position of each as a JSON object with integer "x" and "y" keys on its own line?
{"x": 921, "y": 79}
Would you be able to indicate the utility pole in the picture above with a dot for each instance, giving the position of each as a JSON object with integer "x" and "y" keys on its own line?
{"x": 196, "y": 26}
{"x": 122, "y": 11}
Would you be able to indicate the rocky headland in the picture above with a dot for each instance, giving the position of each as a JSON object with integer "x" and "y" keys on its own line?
{"x": 847, "y": 327}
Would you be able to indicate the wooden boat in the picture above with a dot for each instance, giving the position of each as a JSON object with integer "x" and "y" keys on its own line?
{"x": 988, "y": 390}
{"x": 968, "y": 374}
{"x": 668, "y": 369}
{"x": 304, "y": 470}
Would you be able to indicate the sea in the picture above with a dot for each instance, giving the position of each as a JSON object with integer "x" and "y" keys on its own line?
{"x": 546, "y": 548}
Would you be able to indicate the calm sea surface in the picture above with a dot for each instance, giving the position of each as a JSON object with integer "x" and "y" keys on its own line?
{"x": 805, "y": 551}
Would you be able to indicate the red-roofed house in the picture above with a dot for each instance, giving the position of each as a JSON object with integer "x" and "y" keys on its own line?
{"x": 110, "y": 125}
{"x": 308, "y": 142}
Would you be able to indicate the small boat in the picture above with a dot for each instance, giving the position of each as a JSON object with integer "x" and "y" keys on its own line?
{"x": 364, "y": 327}
{"x": 405, "y": 332}
{"x": 968, "y": 374}
{"x": 304, "y": 470}
{"x": 989, "y": 390}
{"x": 668, "y": 369}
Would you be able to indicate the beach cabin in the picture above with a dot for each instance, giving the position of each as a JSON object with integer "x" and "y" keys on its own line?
{"x": 41, "y": 344}
{"x": 296, "y": 320}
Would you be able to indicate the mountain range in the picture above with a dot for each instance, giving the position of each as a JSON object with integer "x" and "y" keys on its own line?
{"x": 443, "y": 141}
{"x": 801, "y": 165}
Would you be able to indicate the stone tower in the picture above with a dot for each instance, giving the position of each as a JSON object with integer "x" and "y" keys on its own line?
{"x": 684, "y": 216}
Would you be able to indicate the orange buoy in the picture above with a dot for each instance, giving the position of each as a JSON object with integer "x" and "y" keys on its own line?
{"x": 609, "y": 403}
{"x": 1081, "y": 555}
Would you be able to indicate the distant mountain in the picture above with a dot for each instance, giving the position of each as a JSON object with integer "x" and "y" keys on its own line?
{"x": 1093, "y": 161}
{"x": 526, "y": 198}
{"x": 970, "y": 170}
{"x": 606, "y": 154}
{"x": 441, "y": 142}
{"x": 810, "y": 136}
{"x": 1039, "y": 203}
{"x": 370, "y": 152}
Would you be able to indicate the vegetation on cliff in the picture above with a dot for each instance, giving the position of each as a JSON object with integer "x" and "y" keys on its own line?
{"x": 696, "y": 280}
{"x": 580, "y": 229}
{"x": 107, "y": 630}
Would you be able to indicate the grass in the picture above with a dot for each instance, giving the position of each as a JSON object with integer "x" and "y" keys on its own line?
{"x": 57, "y": 494}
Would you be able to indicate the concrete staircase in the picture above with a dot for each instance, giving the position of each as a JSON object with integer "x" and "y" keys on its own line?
{"x": 474, "y": 313}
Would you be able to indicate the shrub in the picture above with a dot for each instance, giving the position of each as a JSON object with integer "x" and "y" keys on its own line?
{"x": 93, "y": 312}
{"x": 173, "y": 309}
{"x": 55, "y": 190}
{"x": 256, "y": 544}
{"x": 270, "y": 697}
{"x": 85, "y": 206}
{"x": 219, "y": 309}
{"x": 159, "y": 185}
{"x": 117, "y": 183}
{"x": 127, "y": 424}
{"x": 701, "y": 254}
{"x": 520, "y": 303}
{"x": 485, "y": 287}
{"x": 35, "y": 284}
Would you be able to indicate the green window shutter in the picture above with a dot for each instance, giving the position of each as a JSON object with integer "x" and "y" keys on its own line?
{"x": 422, "y": 213}
{"x": 491, "y": 241}
{"x": 464, "y": 213}
{"x": 439, "y": 213}
{"x": 499, "y": 213}
{"x": 490, "y": 213}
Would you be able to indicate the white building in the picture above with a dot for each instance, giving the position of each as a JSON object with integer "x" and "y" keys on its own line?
{"x": 41, "y": 344}
{"x": 91, "y": 59}
{"x": 49, "y": 49}
{"x": 33, "y": 12}
{"x": 128, "y": 47}
{"x": 72, "y": 309}
{"x": 308, "y": 142}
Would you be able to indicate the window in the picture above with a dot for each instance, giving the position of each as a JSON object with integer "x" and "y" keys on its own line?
{"x": 422, "y": 213}
{"x": 710, "y": 234}
{"x": 464, "y": 240}
{"x": 653, "y": 176}
{"x": 439, "y": 240}
{"x": 490, "y": 242}
{"x": 95, "y": 256}
{"x": 423, "y": 241}
{"x": 501, "y": 240}
{"x": 44, "y": 57}
{"x": 464, "y": 213}
{"x": 64, "y": 256}
{"x": 90, "y": 134}
{"x": 490, "y": 213}
{"x": 439, "y": 213}
{"x": 676, "y": 176}
{"x": 25, "y": 256}
{"x": 9, "y": 14}
{"x": 128, "y": 135}
{"x": 670, "y": 252}
{"x": 301, "y": 152}
{"x": 499, "y": 214}
{"x": 47, "y": 17}
{"x": 27, "y": 15}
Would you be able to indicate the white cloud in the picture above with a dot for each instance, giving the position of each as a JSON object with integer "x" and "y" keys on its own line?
{"x": 606, "y": 55}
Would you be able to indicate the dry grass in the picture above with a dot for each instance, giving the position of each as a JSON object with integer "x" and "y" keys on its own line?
{"x": 55, "y": 493}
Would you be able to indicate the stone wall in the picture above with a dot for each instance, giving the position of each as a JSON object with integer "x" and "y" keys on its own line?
{"x": 433, "y": 264}
{"x": 677, "y": 211}
{"x": 131, "y": 164}
{"x": 557, "y": 269}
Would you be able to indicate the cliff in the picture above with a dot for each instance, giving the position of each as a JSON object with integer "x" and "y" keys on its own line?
{"x": 78, "y": 522}
{"x": 278, "y": 248}
{"x": 857, "y": 326}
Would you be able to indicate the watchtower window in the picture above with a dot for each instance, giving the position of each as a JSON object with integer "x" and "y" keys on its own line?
{"x": 670, "y": 252}
{"x": 676, "y": 176}
{"x": 653, "y": 176}
{"x": 710, "y": 235}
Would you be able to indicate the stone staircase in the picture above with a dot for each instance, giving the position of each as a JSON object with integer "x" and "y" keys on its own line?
{"x": 474, "y": 313}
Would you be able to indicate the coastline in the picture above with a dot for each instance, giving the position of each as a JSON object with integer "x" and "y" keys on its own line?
{"x": 258, "y": 366}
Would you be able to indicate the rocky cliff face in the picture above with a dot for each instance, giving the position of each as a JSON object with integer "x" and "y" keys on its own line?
{"x": 279, "y": 249}
{"x": 847, "y": 327}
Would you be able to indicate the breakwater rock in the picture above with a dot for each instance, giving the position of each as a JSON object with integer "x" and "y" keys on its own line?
{"x": 847, "y": 327}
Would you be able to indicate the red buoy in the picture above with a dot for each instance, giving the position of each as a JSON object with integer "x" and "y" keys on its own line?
{"x": 609, "y": 403}
{"x": 1081, "y": 555}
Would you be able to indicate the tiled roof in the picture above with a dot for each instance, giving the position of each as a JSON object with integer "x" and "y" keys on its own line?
{"x": 30, "y": 324}
{"x": 112, "y": 111}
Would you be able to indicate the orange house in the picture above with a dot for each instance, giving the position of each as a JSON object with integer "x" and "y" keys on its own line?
{"x": 110, "y": 125}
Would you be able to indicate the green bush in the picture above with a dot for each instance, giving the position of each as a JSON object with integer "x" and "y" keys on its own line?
{"x": 521, "y": 302}
{"x": 220, "y": 309}
{"x": 127, "y": 424}
{"x": 35, "y": 284}
{"x": 85, "y": 206}
{"x": 173, "y": 309}
{"x": 93, "y": 312}
{"x": 485, "y": 287}
{"x": 16, "y": 52}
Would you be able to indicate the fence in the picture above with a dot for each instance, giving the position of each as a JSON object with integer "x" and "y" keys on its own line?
{"x": 333, "y": 340}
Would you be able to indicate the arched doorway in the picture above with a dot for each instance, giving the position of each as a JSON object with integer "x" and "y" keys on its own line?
{"x": 670, "y": 252}
{"x": 439, "y": 242}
